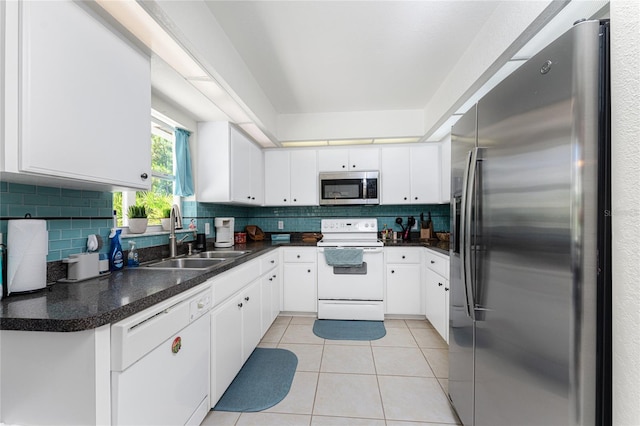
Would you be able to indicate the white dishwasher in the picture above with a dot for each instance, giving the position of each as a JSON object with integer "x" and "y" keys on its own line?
{"x": 160, "y": 363}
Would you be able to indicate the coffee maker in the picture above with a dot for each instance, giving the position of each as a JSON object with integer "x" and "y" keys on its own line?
{"x": 224, "y": 231}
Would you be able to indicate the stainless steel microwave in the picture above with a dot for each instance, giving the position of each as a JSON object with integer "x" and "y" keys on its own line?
{"x": 338, "y": 188}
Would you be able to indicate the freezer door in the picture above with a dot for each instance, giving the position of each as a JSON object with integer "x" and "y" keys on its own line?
{"x": 536, "y": 322}
{"x": 463, "y": 142}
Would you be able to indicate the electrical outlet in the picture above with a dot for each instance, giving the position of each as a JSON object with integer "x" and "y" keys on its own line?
{"x": 281, "y": 224}
{"x": 207, "y": 228}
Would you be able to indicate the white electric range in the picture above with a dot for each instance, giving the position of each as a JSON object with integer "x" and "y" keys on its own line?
{"x": 353, "y": 292}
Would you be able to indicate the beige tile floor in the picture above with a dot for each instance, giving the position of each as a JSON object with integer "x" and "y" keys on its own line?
{"x": 399, "y": 380}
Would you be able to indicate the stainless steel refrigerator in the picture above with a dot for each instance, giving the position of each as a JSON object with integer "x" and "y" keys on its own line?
{"x": 530, "y": 248}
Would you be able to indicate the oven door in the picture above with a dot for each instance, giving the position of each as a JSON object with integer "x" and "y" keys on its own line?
{"x": 365, "y": 283}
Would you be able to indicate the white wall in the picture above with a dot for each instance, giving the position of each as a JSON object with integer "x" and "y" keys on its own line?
{"x": 625, "y": 88}
{"x": 347, "y": 125}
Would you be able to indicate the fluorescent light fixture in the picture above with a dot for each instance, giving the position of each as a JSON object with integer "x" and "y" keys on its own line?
{"x": 397, "y": 140}
{"x": 296, "y": 144}
{"x": 351, "y": 142}
{"x": 254, "y": 131}
{"x": 135, "y": 19}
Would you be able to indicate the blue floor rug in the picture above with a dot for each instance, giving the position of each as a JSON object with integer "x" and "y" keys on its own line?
{"x": 349, "y": 330}
{"x": 263, "y": 381}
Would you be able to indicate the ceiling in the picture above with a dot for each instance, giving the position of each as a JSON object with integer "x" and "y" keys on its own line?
{"x": 310, "y": 70}
{"x": 334, "y": 56}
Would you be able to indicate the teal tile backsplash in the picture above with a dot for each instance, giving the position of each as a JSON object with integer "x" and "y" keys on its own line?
{"x": 72, "y": 215}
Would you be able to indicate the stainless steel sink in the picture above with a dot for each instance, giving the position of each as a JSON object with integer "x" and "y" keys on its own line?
{"x": 189, "y": 263}
{"x": 217, "y": 254}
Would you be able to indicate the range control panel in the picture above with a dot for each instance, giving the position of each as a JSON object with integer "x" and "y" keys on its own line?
{"x": 351, "y": 225}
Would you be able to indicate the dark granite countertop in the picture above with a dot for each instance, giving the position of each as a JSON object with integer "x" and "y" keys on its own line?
{"x": 438, "y": 246}
{"x": 66, "y": 307}
{"x": 92, "y": 303}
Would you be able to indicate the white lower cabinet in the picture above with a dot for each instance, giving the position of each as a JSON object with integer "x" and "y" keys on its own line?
{"x": 300, "y": 283}
{"x": 226, "y": 347}
{"x": 247, "y": 302}
{"x": 403, "y": 281}
{"x": 271, "y": 296}
{"x": 235, "y": 332}
{"x": 437, "y": 292}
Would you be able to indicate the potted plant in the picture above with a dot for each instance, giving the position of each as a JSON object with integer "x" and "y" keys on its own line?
{"x": 165, "y": 221}
{"x": 137, "y": 219}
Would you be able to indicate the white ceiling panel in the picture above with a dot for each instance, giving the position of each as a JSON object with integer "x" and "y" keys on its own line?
{"x": 340, "y": 56}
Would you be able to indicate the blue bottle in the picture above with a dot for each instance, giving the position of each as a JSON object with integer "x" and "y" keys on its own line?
{"x": 116, "y": 261}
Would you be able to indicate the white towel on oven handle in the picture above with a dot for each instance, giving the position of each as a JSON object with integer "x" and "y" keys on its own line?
{"x": 343, "y": 256}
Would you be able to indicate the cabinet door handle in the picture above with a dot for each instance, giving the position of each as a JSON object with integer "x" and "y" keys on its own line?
{"x": 246, "y": 299}
{"x": 440, "y": 284}
{"x": 446, "y": 289}
{"x": 248, "y": 197}
{"x": 405, "y": 198}
{"x": 433, "y": 261}
{"x": 239, "y": 305}
{"x": 416, "y": 198}
{"x": 343, "y": 166}
{"x": 353, "y": 166}
{"x": 285, "y": 200}
{"x": 295, "y": 200}
{"x": 270, "y": 278}
{"x": 274, "y": 275}
{"x": 298, "y": 256}
{"x": 309, "y": 271}
{"x": 403, "y": 256}
{"x": 393, "y": 271}
{"x": 144, "y": 176}
{"x": 273, "y": 261}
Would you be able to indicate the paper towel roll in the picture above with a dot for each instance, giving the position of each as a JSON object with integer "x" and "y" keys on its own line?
{"x": 27, "y": 249}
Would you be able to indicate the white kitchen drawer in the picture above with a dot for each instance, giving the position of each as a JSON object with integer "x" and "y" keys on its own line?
{"x": 234, "y": 280}
{"x": 438, "y": 263}
{"x": 403, "y": 255}
{"x": 299, "y": 255}
{"x": 269, "y": 261}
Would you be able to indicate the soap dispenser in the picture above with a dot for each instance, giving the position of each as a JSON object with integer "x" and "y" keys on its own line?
{"x": 133, "y": 255}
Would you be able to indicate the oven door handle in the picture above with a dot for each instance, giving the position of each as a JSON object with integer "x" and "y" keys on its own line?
{"x": 367, "y": 250}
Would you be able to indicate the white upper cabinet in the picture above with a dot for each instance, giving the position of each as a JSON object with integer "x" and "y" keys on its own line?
{"x": 230, "y": 166}
{"x": 411, "y": 175}
{"x": 342, "y": 160}
{"x": 77, "y": 101}
{"x": 291, "y": 178}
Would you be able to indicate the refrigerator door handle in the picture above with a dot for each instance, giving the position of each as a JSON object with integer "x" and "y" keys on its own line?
{"x": 467, "y": 229}
{"x": 464, "y": 235}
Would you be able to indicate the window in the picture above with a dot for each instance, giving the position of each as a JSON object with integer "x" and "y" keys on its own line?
{"x": 160, "y": 197}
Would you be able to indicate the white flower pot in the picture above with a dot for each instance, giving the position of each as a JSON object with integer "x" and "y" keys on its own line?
{"x": 138, "y": 225}
{"x": 166, "y": 223}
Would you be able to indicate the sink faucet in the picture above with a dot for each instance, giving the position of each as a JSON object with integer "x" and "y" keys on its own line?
{"x": 175, "y": 220}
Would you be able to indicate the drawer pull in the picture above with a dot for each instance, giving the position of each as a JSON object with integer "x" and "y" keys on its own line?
{"x": 239, "y": 305}
{"x": 246, "y": 298}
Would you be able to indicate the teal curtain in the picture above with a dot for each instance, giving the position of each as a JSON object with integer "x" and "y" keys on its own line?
{"x": 184, "y": 179}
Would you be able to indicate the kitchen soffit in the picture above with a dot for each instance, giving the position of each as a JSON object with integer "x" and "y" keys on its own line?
{"x": 339, "y": 56}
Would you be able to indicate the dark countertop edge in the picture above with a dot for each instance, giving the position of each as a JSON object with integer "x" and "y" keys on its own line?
{"x": 117, "y": 314}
